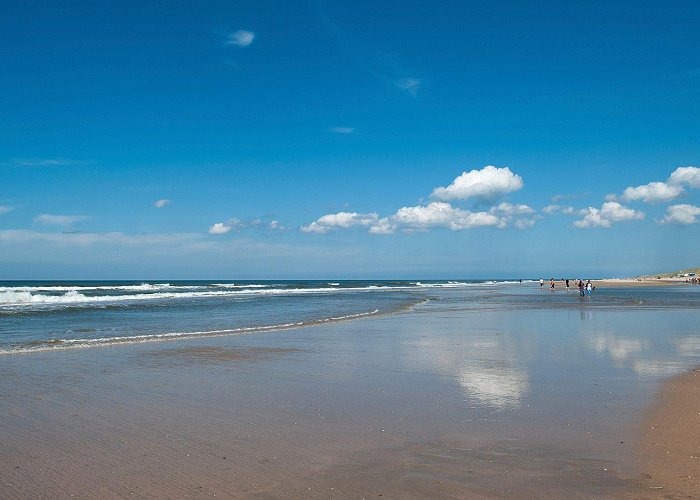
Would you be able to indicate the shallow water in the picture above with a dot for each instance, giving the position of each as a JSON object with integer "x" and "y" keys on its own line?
{"x": 494, "y": 390}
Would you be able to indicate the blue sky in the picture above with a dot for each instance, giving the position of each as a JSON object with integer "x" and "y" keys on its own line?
{"x": 311, "y": 139}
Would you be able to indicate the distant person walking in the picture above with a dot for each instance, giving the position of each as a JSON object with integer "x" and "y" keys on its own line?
{"x": 567, "y": 285}
{"x": 541, "y": 282}
{"x": 580, "y": 288}
{"x": 589, "y": 287}
{"x": 551, "y": 283}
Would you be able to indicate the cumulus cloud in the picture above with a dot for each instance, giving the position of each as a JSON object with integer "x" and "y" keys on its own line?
{"x": 434, "y": 215}
{"x": 608, "y": 213}
{"x": 59, "y": 220}
{"x": 342, "y": 130}
{"x": 220, "y": 228}
{"x": 662, "y": 191}
{"x": 275, "y": 225}
{"x": 161, "y": 203}
{"x": 440, "y": 214}
{"x": 225, "y": 227}
{"x": 652, "y": 192}
{"x": 515, "y": 214}
{"x": 681, "y": 214}
{"x": 4, "y": 209}
{"x": 410, "y": 85}
{"x": 240, "y": 38}
{"x": 487, "y": 183}
{"x": 340, "y": 220}
{"x": 685, "y": 175}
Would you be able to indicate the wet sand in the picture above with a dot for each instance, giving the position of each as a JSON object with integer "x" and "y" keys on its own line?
{"x": 620, "y": 283}
{"x": 670, "y": 446}
{"x": 438, "y": 402}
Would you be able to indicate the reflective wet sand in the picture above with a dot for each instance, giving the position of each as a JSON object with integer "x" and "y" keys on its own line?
{"x": 444, "y": 401}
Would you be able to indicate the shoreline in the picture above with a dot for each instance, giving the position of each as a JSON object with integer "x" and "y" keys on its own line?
{"x": 441, "y": 401}
{"x": 669, "y": 447}
{"x": 620, "y": 283}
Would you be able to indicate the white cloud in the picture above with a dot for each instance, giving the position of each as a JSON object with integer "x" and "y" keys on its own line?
{"x": 685, "y": 175}
{"x": 59, "y": 220}
{"x": 662, "y": 191}
{"x": 161, "y": 203}
{"x": 382, "y": 226}
{"x": 681, "y": 214}
{"x": 509, "y": 212}
{"x": 440, "y": 214}
{"x": 410, "y": 85}
{"x": 553, "y": 209}
{"x": 45, "y": 162}
{"x": 4, "y": 209}
{"x": 524, "y": 223}
{"x": 509, "y": 209}
{"x": 231, "y": 224}
{"x": 340, "y": 220}
{"x": 342, "y": 130}
{"x": 434, "y": 215}
{"x": 487, "y": 183}
{"x": 235, "y": 224}
{"x": 220, "y": 228}
{"x": 608, "y": 213}
{"x": 571, "y": 196}
{"x": 652, "y": 192}
{"x": 240, "y": 38}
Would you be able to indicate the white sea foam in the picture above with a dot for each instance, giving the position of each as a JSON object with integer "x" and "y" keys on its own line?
{"x": 26, "y": 296}
{"x": 77, "y": 288}
{"x": 19, "y": 298}
{"x": 56, "y": 344}
{"x": 232, "y": 285}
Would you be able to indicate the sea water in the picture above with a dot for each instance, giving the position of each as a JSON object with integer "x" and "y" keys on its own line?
{"x": 43, "y": 315}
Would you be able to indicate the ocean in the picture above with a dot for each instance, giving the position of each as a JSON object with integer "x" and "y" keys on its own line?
{"x": 47, "y": 315}
{"x": 42, "y": 315}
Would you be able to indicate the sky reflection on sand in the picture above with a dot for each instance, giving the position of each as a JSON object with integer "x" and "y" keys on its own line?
{"x": 502, "y": 360}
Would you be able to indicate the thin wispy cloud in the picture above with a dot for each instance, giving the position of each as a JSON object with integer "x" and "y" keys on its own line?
{"x": 4, "y": 209}
{"x": 554, "y": 209}
{"x": 342, "y": 130}
{"x": 410, "y": 85}
{"x": 570, "y": 196}
{"x": 45, "y": 162}
{"x": 235, "y": 224}
{"x": 161, "y": 203}
{"x": 240, "y": 38}
{"x": 59, "y": 220}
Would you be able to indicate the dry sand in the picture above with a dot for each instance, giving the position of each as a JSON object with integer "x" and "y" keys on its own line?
{"x": 670, "y": 446}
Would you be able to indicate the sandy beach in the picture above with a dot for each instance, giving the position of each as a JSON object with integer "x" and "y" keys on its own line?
{"x": 621, "y": 283}
{"x": 442, "y": 401}
{"x": 669, "y": 455}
